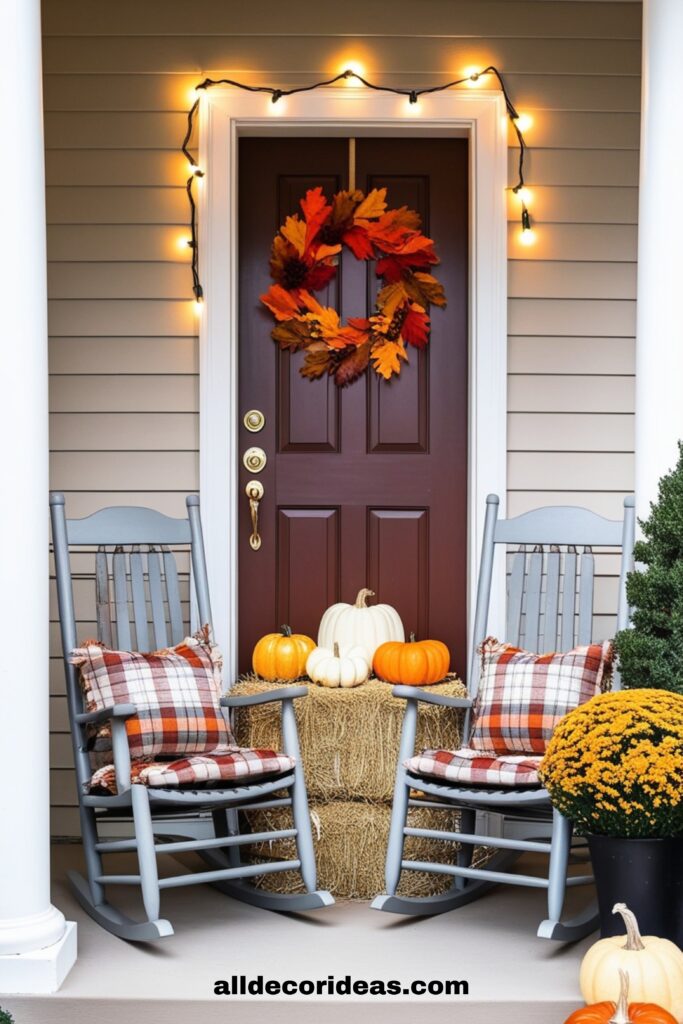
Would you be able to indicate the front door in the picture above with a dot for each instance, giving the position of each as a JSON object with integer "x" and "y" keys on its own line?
{"x": 365, "y": 485}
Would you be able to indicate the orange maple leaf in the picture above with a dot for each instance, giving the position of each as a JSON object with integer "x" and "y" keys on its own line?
{"x": 391, "y": 297}
{"x": 294, "y": 230}
{"x": 373, "y": 205}
{"x": 325, "y": 326}
{"x": 316, "y": 211}
{"x": 284, "y": 305}
{"x": 387, "y": 356}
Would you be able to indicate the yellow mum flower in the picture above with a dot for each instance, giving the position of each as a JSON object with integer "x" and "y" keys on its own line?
{"x": 614, "y": 765}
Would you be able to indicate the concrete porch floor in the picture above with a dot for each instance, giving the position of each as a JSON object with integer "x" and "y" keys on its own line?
{"x": 513, "y": 976}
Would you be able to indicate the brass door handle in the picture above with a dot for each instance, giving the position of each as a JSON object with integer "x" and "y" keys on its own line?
{"x": 254, "y": 491}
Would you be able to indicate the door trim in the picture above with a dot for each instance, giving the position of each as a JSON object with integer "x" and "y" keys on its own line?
{"x": 224, "y": 115}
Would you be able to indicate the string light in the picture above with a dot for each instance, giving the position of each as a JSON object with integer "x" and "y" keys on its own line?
{"x": 352, "y": 71}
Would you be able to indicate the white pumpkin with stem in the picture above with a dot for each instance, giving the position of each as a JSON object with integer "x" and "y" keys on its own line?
{"x": 335, "y": 668}
{"x": 654, "y": 966}
{"x": 356, "y": 624}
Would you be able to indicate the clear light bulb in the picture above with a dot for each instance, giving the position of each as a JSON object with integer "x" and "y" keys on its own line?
{"x": 524, "y": 122}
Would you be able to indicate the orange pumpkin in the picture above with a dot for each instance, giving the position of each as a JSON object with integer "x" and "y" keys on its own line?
{"x": 281, "y": 655}
{"x": 416, "y": 663}
{"x": 622, "y": 1012}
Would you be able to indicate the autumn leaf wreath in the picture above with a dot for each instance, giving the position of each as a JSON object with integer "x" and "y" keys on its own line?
{"x": 304, "y": 260}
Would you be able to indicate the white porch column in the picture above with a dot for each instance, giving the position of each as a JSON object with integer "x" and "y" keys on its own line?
{"x": 659, "y": 325}
{"x": 37, "y": 947}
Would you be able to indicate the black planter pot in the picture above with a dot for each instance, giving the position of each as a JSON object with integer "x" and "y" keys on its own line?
{"x": 646, "y": 875}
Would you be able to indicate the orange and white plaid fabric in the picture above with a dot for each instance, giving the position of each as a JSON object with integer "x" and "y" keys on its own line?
{"x": 176, "y": 692}
{"x": 472, "y": 767}
{"x": 238, "y": 763}
{"x": 523, "y": 696}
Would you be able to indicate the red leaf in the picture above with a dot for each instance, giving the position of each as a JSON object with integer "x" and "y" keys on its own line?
{"x": 318, "y": 276}
{"x": 390, "y": 269}
{"x": 359, "y": 322}
{"x": 358, "y": 242}
{"x": 415, "y": 329}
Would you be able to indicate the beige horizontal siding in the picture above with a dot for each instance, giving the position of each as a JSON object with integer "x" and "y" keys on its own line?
{"x": 169, "y": 92}
{"x": 123, "y": 349}
{"x": 571, "y": 355}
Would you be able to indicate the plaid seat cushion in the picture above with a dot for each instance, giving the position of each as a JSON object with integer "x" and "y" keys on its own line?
{"x": 469, "y": 766}
{"x": 523, "y": 696}
{"x": 176, "y": 692}
{"x": 235, "y": 764}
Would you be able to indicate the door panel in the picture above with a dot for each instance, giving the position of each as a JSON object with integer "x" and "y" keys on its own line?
{"x": 365, "y": 485}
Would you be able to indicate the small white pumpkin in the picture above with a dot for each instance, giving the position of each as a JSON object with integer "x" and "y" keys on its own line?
{"x": 351, "y": 625}
{"x": 334, "y": 668}
{"x": 654, "y": 967}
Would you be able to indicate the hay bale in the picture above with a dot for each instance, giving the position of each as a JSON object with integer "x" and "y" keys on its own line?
{"x": 350, "y": 839}
{"x": 349, "y": 737}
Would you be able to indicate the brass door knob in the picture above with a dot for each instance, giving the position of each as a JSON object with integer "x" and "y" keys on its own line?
{"x": 254, "y": 420}
{"x": 254, "y": 459}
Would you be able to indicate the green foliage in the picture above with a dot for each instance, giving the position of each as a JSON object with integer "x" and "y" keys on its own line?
{"x": 651, "y": 653}
{"x": 5, "y": 1017}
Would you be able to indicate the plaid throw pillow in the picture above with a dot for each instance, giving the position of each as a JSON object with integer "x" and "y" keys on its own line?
{"x": 176, "y": 692}
{"x": 523, "y": 696}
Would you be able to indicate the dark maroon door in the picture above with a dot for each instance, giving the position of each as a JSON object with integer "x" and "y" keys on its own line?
{"x": 366, "y": 485}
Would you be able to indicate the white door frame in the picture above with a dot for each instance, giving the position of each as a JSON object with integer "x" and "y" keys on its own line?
{"x": 227, "y": 113}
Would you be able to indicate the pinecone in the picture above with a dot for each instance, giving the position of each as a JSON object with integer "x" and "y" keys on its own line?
{"x": 396, "y": 325}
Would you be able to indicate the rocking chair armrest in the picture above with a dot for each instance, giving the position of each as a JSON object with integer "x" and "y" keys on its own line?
{"x": 105, "y": 714}
{"x": 417, "y": 693}
{"x": 282, "y": 694}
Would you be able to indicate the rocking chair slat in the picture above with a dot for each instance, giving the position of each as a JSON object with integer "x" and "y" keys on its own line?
{"x": 515, "y": 594}
{"x": 586, "y": 582}
{"x": 175, "y": 612}
{"x": 568, "y": 600}
{"x": 223, "y": 874}
{"x": 137, "y": 582}
{"x": 533, "y": 600}
{"x": 548, "y": 638}
{"x": 102, "y": 599}
{"x": 123, "y": 640}
{"x": 157, "y": 599}
{"x": 528, "y": 845}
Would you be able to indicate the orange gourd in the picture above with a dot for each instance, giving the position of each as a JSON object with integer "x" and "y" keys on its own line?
{"x": 416, "y": 663}
{"x": 622, "y": 1012}
{"x": 282, "y": 655}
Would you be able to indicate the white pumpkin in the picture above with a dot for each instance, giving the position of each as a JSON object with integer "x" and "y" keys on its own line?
{"x": 334, "y": 668}
{"x": 351, "y": 625}
{"x": 654, "y": 967}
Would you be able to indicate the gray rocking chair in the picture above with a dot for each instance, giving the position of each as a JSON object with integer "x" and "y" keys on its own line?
{"x": 133, "y": 546}
{"x": 549, "y": 607}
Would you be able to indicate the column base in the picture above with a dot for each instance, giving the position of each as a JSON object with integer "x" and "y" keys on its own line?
{"x": 42, "y": 971}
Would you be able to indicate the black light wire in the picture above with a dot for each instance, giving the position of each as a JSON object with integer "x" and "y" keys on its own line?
{"x": 276, "y": 94}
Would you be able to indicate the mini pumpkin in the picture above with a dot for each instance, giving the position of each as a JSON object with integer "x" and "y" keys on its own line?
{"x": 348, "y": 667}
{"x": 281, "y": 655}
{"x": 654, "y": 965}
{"x": 358, "y": 625}
{"x": 621, "y": 1012}
{"x": 416, "y": 663}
